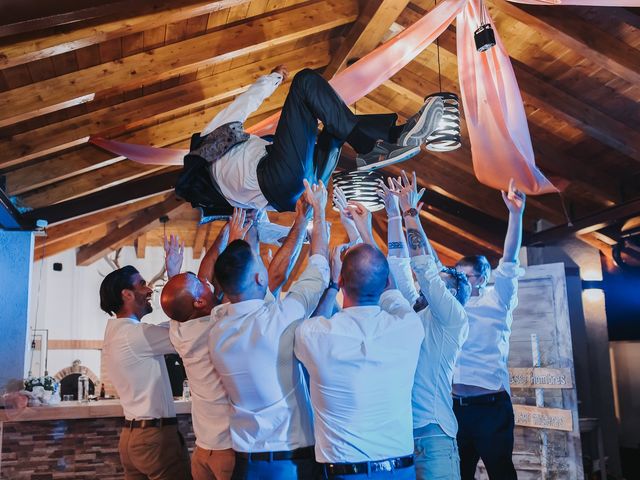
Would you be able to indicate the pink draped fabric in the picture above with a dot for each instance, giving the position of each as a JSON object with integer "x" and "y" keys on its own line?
{"x": 497, "y": 123}
{"x": 589, "y": 3}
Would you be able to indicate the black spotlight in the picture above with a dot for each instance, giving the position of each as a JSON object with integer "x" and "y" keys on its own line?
{"x": 484, "y": 37}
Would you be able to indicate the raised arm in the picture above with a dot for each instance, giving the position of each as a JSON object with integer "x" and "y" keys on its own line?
{"x": 327, "y": 304}
{"x": 341, "y": 202}
{"x": 395, "y": 237}
{"x": 515, "y": 202}
{"x": 362, "y": 219}
{"x": 249, "y": 101}
{"x": 287, "y": 255}
{"x": 316, "y": 196}
{"x": 205, "y": 272}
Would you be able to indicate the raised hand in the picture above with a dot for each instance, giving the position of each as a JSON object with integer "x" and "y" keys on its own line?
{"x": 303, "y": 208}
{"x": 386, "y": 193}
{"x": 282, "y": 70}
{"x": 362, "y": 219}
{"x": 341, "y": 202}
{"x": 173, "y": 255}
{"x": 514, "y": 199}
{"x": 238, "y": 226}
{"x": 316, "y": 195}
{"x": 408, "y": 194}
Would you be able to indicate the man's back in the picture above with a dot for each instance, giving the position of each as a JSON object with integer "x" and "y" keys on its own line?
{"x": 252, "y": 349}
{"x": 361, "y": 364}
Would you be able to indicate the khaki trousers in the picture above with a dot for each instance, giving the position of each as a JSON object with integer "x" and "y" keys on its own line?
{"x": 155, "y": 453}
{"x": 212, "y": 464}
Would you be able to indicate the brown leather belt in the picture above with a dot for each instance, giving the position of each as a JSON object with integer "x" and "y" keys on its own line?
{"x": 152, "y": 422}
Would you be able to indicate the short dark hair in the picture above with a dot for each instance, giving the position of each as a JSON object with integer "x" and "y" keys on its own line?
{"x": 365, "y": 272}
{"x": 232, "y": 267}
{"x": 478, "y": 262}
{"x": 463, "y": 287}
{"x": 112, "y": 286}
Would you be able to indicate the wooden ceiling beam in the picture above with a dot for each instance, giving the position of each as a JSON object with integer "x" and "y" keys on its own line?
{"x": 109, "y": 197}
{"x": 73, "y": 241}
{"x": 590, "y": 42}
{"x": 366, "y": 33}
{"x": 124, "y": 171}
{"x": 63, "y": 230}
{"x": 140, "y": 245}
{"x": 587, "y": 224}
{"x": 142, "y": 111}
{"x": 139, "y": 224}
{"x": 75, "y": 37}
{"x": 164, "y": 62}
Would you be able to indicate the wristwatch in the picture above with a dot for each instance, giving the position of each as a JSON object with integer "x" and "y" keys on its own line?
{"x": 412, "y": 212}
{"x": 333, "y": 284}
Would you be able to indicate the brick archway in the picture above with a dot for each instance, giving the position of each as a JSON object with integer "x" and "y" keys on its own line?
{"x": 77, "y": 368}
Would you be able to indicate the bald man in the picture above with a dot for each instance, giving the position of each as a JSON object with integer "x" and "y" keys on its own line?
{"x": 361, "y": 364}
{"x": 188, "y": 301}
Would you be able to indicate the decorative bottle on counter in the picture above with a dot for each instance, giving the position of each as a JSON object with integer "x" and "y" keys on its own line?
{"x": 83, "y": 388}
{"x": 186, "y": 391}
{"x": 102, "y": 392}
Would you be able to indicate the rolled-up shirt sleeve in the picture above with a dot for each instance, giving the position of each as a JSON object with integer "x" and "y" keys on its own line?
{"x": 400, "y": 268}
{"x": 305, "y": 293}
{"x": 246, "y": 103}
{"x": 506, "y": 283}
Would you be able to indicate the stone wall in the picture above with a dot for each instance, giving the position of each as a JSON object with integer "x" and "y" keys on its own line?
{"x": 67, "y": 449}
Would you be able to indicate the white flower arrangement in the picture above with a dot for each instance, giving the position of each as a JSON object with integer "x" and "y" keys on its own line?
{"x": 42, "y": 391}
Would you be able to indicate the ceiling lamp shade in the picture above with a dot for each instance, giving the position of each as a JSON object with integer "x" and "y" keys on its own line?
{"x": 360, "y": 187}
{"x": 484, "y": 38}
{"x": 446, "y": 136}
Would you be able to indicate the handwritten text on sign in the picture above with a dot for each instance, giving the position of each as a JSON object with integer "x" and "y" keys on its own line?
{"x": 539, "y": 417}
{"x": 540, "y": 378}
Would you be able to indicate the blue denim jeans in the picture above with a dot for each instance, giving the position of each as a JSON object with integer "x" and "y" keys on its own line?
{"x": 302, "y": 469}
{"x": 435, "y": 454}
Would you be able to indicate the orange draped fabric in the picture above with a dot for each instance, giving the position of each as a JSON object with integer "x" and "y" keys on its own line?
{"x": 588, "y": 3}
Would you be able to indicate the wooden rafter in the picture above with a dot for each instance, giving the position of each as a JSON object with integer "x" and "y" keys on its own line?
{"x": 119, "y": 118}
{"x": 139, "y": 224}
{"x": 140, "y": 245}
{"x": 366, "y": 33}
{"x": 209, "y": 49}
{"x": 588, "y": 41}
{"x": 73, "y": 38}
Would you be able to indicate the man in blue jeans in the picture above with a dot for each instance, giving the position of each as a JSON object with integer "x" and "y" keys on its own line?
{"x": 446, "y": 327}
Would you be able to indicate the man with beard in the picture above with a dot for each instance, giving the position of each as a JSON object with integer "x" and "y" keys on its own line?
{"x": 150, "y": 444}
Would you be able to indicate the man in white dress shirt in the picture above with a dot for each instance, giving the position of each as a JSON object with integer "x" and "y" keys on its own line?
{"x": 446, "y": 327}
{"x": 481, "y": 381}
{"x": 228, "y": 168}
{"x": 361, "y": 364}
{"x": 150, "y": 446}
{"x": 251, "y": 346}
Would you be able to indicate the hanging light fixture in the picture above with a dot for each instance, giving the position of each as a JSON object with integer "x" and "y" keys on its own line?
{"x": 446, "y": 136}
{"x": 360, "y": 187}
{"x": 484, "y": 36}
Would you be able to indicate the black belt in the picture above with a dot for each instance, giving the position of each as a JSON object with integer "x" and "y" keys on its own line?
{"x": 153, "y": 422}
{"x": 387, "y": 465}
{"x": 480, "y": 399}
{"x": 297, "y": 454}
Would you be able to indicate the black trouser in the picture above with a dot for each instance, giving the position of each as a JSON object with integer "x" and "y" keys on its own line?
{"x": 485, "y": 430}
{"x": 297, "y": 154}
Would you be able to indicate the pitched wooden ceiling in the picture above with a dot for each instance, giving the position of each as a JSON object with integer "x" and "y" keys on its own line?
{"x": 154, "y": 73}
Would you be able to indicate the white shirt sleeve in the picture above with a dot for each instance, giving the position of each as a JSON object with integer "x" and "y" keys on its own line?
{"x": 444, "y": 307}
{"x": 506, "y": 283}
{"x": 246, "y": 103}
{"x": 400, "y": 268}
{"x": 392, "y": 302}
{"x": 150, "y": 340}
{"x": 305, "y": 293}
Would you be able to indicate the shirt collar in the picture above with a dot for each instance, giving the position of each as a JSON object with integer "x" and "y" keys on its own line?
{"x": 362, "y": 310}
{"x": 243, "y": 308}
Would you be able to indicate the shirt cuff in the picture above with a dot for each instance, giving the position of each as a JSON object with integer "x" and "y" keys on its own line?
{"x": 424, "y": 264}
{"x": 509, "y": 269}
{"x": 277, "y": 77}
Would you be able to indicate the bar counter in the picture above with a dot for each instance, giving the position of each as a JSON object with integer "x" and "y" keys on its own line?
{"x": 70, "y": 440}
